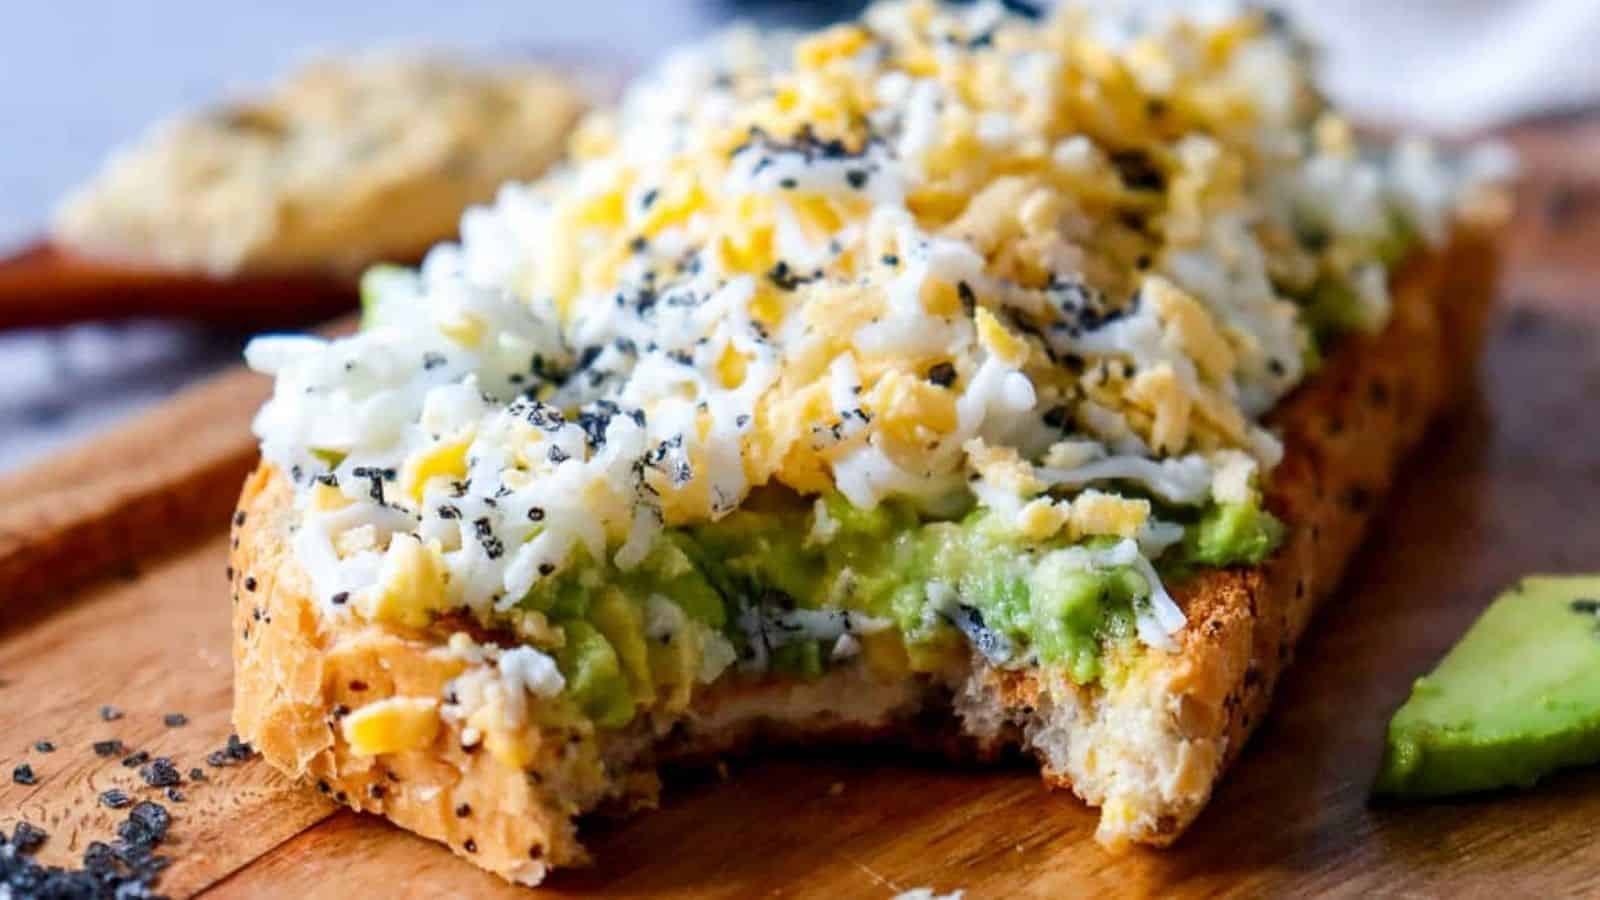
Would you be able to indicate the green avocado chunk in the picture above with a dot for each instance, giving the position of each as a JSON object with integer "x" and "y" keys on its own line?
{"x": 1517, "y": 698}
{"x": 1012, "y": 600}
{"x": 1233, "y": 534}
{"x": 594, "y": 675}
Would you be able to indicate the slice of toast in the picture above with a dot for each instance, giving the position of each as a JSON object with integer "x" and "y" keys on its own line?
{"x": 1148, "y": 751}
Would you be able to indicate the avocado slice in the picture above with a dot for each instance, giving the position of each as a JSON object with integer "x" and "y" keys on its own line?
{"x": 1517, "y": 698}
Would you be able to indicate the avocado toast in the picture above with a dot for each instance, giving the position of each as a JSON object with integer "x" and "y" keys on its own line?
{"x": 959, "y": 375}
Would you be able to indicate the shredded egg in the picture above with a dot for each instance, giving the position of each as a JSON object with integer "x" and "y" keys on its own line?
{"x": 945, "y": 250}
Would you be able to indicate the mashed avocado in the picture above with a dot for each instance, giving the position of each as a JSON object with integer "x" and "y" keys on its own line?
{"x": 1231, "y": 534}
{"x": 782, "y": 584}
{"x": 1332, "y": 305}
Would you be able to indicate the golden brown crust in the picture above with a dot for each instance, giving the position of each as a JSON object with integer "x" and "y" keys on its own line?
{"x": 294, "y": 677}
{"x": 1345, "y": 432}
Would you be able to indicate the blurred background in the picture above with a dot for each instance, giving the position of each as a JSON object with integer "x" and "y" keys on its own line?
{"x": 78, "y": 77}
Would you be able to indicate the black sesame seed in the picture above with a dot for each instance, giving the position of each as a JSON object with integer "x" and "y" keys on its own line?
{"x": 44, "y": 746}
{"x": 107, "y": 748}
{"x": 115, "y": 799}
{"x": 942, "y": 374}
{"x": 323, "y": 787}
{"x": 1139, "y": 172}
{"x": 175, "y": 720}
{"x": 136, "y": 759}
{"x": 463, "y": 810}
{"x": 99, "y": 860}
{"x": 23, "y": 774}
{"x": 133, "y": 835}
{"x": 28, "y": 838}
{"x": 535, "y": 514}
{"x": 470, "y": 845}
{"x": 160, "y": 773}
{"x": 175, "y": 795}
{"x": 1357, "y": 498}
{"x": 546, "y": 568}
{"x": 340, "y": 598}
{"x": 250, "y": 582}
{"x": 238, "y": 517}
{"x": 197, "y": 774}
{"x": 376, "y": 791}
{"x": 341, "y": 797}
{"x": 357, "y": 685}
{"x": 857, "y": 178}
{"x": 152, "y": 816}
{"x": 109, "y": 713}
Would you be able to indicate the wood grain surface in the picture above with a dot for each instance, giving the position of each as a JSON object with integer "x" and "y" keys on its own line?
{"x": 1503, "y": 489}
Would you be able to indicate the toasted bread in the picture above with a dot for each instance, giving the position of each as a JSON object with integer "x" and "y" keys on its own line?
{"x": 1148, "y": 751}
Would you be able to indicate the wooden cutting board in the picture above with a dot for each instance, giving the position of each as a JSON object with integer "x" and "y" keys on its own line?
{"x": 112, "y": 591}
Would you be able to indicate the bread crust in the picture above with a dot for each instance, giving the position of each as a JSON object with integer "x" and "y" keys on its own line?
{"x": 1345, "y": 432}
{"x": 1149, "y": 750}
{"x": 296, "y": 674}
